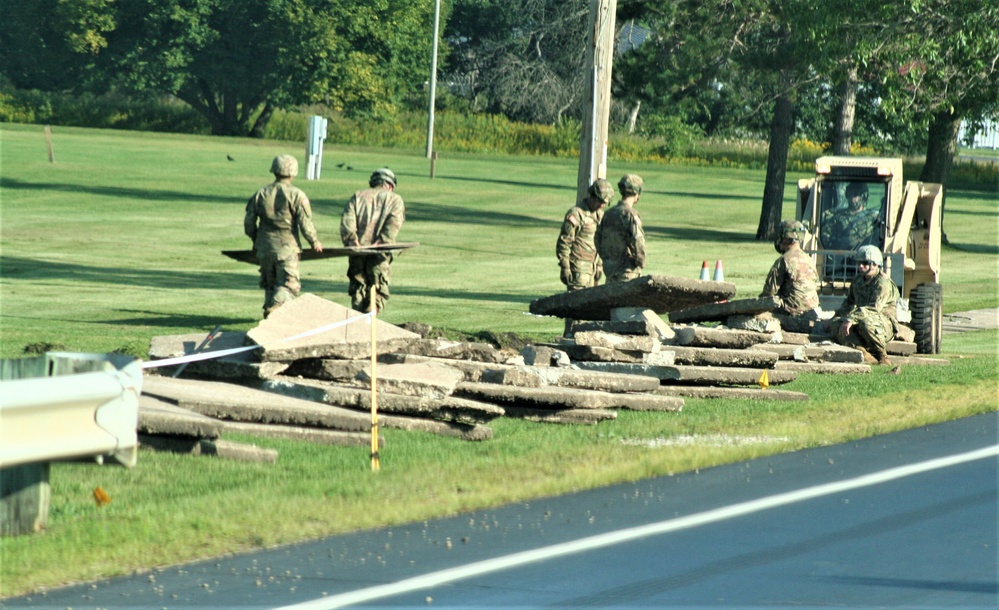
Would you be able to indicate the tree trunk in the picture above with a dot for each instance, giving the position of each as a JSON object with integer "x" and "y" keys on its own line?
{"x": 843, "y": 137}
{"x": 773, "y": 191}
{"x": 633, "y": 116}
{"x": 257, "y": 131}
{"x": 940, "y": 150}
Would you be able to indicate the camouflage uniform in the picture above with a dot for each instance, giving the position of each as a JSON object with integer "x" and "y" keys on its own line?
{"x": 372, "y": 216}
{"x": 274, "y": 216}
{"x": 575, "y": 248}
{"x": 847, "y": 231}
{"x": 793, "y": 282}
{"x": 870, "y": 308}
{"x": 620, "y": 239}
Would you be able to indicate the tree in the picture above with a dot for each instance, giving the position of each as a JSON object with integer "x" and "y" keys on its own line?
{"x": 520, "y": 58}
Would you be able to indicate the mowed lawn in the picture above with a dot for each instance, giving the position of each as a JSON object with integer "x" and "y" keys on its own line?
{"x": 119, "y": 241}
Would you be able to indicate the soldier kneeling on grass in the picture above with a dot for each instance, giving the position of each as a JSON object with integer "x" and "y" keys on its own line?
{"x": 867, "y": 319}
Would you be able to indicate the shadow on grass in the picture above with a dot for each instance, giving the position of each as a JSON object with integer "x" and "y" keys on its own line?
{"x": 974, "y": 248}
{"x": 174, "y": 320}
{"x": 33, "y": 269}
{"x": 422, "y": 211}
{"x": 691, "y": 234}
{"x": 118, "y": 192}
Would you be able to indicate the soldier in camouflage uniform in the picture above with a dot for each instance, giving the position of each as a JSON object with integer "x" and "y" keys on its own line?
{"x": 850, "y": 228}
{"x": 372, "y": 217}
{"x": 274, "y": 217}
{"x": 620, "y": 239}
{"x": 577, "y": 254}
{"x": 867, "y": 318}
{"x": 793, "y": 281}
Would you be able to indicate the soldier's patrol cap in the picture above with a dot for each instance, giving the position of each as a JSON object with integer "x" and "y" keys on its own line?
{"x": 630, "y": 184}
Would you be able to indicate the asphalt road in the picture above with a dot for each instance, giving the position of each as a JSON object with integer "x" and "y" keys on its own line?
{"x": 892, "y": 521}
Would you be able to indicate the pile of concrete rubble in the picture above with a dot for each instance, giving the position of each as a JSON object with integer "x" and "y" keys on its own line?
{"x": 294, "y": 382}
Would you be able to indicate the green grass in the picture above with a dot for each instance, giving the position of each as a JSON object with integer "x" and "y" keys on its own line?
{"x": 119, "y": 241}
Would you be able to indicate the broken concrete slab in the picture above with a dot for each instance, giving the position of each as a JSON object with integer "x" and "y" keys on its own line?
{"x": 455, "y": 350}
{"x": 689, "y": 391}
{"x": 160, "y": 418}
{"x": 696, "y": 375}
{"x": 423, "y": 379}
{"x": 662, "y": 329}
{"x": 210, "y": 447}
{"x": 449, "y": 409}
{"x": 537, "y": 377}
{"x": 716, "y": 312}
{"x": 557, "y": 398}
{"x": 901, "y": 348}
{"x": 540, "y": 355}
{"x": 783, "y": 351}
{"x": 761, "y": 323}
{"x": 825, "y": 368}
{"x": 319, "y": 436}
{"x": 620, "y": 327}
{"x": 284, "y": 335}
{"x": 713, "y": 356}
{"x": 328, "y": 369}
{"x": 236, "y": 366}
{"x": 801, "y": 338}
{"x": 702, "y": 336}
{"x": 820, "y": 352}
{"x": 589, "y": 353}
{"x": 239, "y": 403}
{"x": 626, "y": 343}
{"x": 565, "y": 416}
{"x": 660, "y": 293}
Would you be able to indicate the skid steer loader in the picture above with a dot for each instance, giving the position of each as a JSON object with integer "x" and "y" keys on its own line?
{"x": 855, "y": 201}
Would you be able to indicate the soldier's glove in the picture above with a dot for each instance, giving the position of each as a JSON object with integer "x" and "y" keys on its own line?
{"x": 566, "y": 275}
{"x": 598, "y": 275}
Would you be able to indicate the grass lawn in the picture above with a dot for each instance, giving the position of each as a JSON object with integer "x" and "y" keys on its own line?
{"x": 119, "y": 240}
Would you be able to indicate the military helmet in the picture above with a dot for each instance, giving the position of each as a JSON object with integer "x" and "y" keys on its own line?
{"x": 381, "y": 176}
{"x": 602, "y": 190}
{"x": 792, "y": 229}
{"x": 630, "y": 184}
{"x": 869, "y": 254}
{"x": 284, "y": 165}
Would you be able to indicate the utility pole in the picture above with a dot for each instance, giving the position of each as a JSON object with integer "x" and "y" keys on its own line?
{"x": 596, "y": 114}
{"x": 433, "y": 80}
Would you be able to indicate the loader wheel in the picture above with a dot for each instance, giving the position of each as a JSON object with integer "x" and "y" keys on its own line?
{"x": 926, "y": 305}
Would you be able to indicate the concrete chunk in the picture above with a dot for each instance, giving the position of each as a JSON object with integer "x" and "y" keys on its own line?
{"x": 696, "y": 375}
{"x": 620, "y": 327}
{"x": 158, "y": 417}
{"x": 660, "y": 293}
{"x": 565, "y": 416}
{"x": 901, "y": 348}
{"x": 425, "y": 379}
{"x": 319, "y": 436}
{"x": 537, "y": 377}
{"x": 211, "y": 447}
{"x": 825, "y": 368}
{"x": 244, "y": 365}
{"x": 541, "y": 355}
{"x": 308, "y": 313}
{"x": 590, "y": 353}
{"x": 712, "y": 356}
{"x": 725, "y": 392}
{"x": 455, "y": 350}
{"x": 557, "y": 398}
{"x": 700, "y": 336}
{"x": 716, "y": 312}
{"x": 627, "y": 343}
{"x": 328, "y": 369}
{"x": 762, "y": 323}
{"x": 661, "y": 328}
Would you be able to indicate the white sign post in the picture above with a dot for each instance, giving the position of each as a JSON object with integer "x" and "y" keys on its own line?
{"x": 314, "y": 147}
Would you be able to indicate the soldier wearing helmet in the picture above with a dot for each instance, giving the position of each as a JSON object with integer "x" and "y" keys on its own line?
{"x": 575, "y": 249}
{"x": 793, "y": 281}
{"x": 275, "y": 217}
{"x": 372, "y": 217}
{"x": 849, "y": 227}
{"x": 867, "y": 319}
{"x": 620, "y": 239}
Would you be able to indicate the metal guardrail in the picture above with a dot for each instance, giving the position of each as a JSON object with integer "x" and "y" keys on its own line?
{"x": 77, "y": 415}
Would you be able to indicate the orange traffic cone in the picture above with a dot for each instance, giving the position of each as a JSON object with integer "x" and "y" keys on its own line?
{"x": 704, "y": 271}
{"x": 719, "y": 274}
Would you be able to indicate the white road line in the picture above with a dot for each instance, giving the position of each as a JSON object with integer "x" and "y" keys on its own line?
{"x": 625, "y": 535}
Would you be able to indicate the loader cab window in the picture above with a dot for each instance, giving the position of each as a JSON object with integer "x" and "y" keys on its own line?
{"x": 850, "y": 214}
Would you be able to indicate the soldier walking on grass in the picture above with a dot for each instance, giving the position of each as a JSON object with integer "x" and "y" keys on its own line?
{"x": 867, "y": 318}
{"x": 793, "y": 281}
{"x": 274, "y": 217}
{"x": 372, "y": 217}
{"x": 620, "y": 239}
